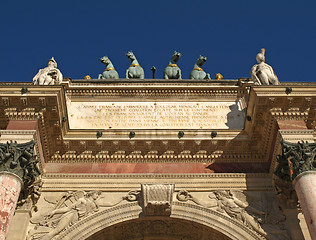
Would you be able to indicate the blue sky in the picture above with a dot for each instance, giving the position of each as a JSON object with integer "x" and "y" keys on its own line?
{"x": 229, "y": 33}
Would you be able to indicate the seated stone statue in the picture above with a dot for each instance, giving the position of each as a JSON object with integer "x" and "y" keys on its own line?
{"x": 109, "y": 72}
{"x": 134, "y": 70}
{"x": 198, "y": 72}
{"x": 172, "y": 71}
{"x": 262, "y": 73}
{"x": 49, "y": 75}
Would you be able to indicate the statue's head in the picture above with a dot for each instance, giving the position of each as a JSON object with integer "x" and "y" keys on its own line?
{"x": 222, "y": 194}
{"x": 52, "y": 62}
{"x": 201, "y": 60}
{"x": 260, "y": 56}
{"x": 93, "y": 194}
{"x": 130, "y": 55}
{"x": 176, "y": 56}
{"x": 105, "y": 60}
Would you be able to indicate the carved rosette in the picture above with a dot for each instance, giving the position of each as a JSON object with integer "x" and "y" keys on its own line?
{"x": 19, "y": 159}
{"x": 296, "y": 158}
{"x": 157, "y": 199}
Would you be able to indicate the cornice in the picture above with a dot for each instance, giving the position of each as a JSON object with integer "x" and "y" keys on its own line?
{"x": 153, "y": 175}
{"x": 126, "y": 182}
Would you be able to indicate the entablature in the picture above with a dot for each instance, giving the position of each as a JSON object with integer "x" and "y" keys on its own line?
{"x": 251, "y": 140}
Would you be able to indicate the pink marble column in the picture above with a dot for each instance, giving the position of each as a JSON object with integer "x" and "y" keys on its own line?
{"x": 305, "y": 187}
{"x": 10, "y": 187}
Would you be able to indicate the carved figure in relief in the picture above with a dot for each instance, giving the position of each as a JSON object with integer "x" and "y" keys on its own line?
{"x": 210, "y": 202}
{"x": 134, "y": 70}
{"x": 172, "y": 71}
{"x": 235, "y": 208}
{"x": 244, "y": 207}
{"x": 198, "y": 72}
{"x": 69, "y": 209}
{"x": 82, "y": 205}
{"x": 109, "y": 72}
{"x": 262, "y": 73}
{"x": 49, "y": 75}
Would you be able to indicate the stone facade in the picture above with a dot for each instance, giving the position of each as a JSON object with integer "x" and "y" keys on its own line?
{"x": 158, "y": 159}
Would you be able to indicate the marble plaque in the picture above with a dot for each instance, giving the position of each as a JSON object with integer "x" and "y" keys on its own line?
{"x": 155, "y": 115}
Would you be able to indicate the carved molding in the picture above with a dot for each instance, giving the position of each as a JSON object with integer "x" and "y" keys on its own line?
{"x": 297, "y": 135}
{"x": 131, "y": 211}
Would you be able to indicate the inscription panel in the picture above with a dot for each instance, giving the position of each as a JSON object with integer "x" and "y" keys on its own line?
{"x": 155, "y": 115}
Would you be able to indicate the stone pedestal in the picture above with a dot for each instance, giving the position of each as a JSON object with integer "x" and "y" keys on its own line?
{"x": 305, "y": 187}
{"x": 10, "y": 187}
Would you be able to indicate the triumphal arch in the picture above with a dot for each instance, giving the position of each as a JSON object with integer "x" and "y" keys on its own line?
{"x": 157, "y": 158}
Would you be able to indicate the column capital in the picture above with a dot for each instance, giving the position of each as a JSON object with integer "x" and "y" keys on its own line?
{"x": 19, "y": 160}
{"x": 295, "y": 159}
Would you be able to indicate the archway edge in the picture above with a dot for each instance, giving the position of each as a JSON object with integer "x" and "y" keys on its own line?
{"x": 180, "y": 210}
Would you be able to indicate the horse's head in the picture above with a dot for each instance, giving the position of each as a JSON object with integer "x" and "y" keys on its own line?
{"x": 130, "y": 55}
{"x": 175, "y": 57}
{"x": 201, "y": 60}
{"x": 105, "y": 60}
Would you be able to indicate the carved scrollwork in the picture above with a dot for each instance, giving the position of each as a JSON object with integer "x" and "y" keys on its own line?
{"x": 131, "y": 196}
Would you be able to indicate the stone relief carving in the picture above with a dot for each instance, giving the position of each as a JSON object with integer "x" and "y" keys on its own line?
{"x": 262, "y": 73}
{"x": 230, "y": 204}
{"x": 50, "y": 75}
{"x": 286, "y": 194}
{"x": 198, "y": 72}
{"x": 209, "y": 202}
{"x": 134, "y": 70}
{"x": 172, "y": 71}
{"x": 295, "y": 159}
{"x": 246, "y": 208}
{"x": 20, "y": 160}
{"x": 68, "y": 209}
{"x": 157, "y": 199}
{"x": 29, "y": 196}
{"x": 109, "y": 72}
